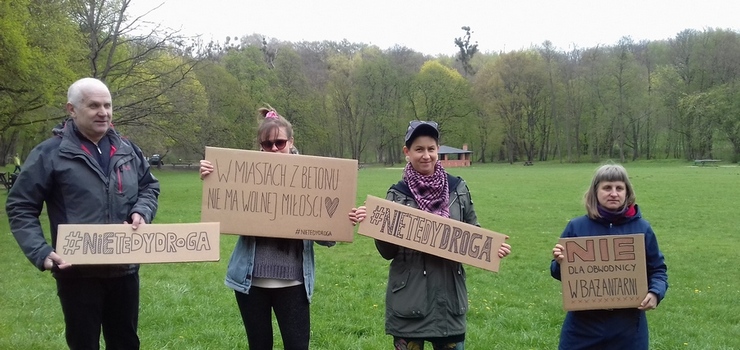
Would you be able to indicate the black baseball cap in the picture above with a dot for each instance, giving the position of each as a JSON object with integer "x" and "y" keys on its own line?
{"x": 420, "y": 127}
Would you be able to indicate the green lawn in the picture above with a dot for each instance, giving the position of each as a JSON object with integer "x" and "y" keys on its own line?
{"x": 693, "y": 211}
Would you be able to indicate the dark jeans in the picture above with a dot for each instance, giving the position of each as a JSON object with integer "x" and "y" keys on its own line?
{"x": 291, "y": 311}
{"x": 89, "y": 303}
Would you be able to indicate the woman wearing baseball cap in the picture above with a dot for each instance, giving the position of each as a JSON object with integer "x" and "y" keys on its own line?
{"x": 426, "y": 296}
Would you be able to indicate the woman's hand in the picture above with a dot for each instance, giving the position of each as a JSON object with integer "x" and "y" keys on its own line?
{"x": 205, "y": 168}
{"x": 356, "y": 215}
{"x": 558, "y": 253}
{"x": 650, "y": 302}
{"x": 504, "y": 250}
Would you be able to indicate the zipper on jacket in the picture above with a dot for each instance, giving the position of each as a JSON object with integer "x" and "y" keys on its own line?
{"x": 120, "y": 183}
{"x": 110, "y": 201}
{"x": 454, "y": 200}
{"x": 424, "y": 262}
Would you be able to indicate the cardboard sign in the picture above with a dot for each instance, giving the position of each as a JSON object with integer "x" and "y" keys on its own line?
{"x": 280, "y": 195}
{"x": 603, "y": 272}
{"x": 151, "y": 243}
{"x": 429, "y": 233}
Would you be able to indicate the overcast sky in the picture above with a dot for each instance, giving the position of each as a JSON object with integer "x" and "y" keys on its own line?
{"x": 430, "y": 26}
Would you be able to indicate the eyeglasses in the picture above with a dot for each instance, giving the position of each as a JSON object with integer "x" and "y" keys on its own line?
{"x": 267, "y": 145}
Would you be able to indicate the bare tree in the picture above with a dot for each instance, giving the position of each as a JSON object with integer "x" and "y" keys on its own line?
{"x": 139, "y": 62}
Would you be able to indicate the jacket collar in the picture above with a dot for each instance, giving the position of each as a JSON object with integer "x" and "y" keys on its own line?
{"x": 638, "y": 215}
{"x": 71, "y": 140}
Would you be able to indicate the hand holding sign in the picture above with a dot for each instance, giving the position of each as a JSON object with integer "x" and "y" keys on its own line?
{"x": 557, "y": 253}
{"x": 55, "y": 262}
{"x": 356, "y": 215}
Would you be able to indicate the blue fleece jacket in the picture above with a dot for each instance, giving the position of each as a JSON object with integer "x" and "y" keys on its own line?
{"x": 618, "y": 328}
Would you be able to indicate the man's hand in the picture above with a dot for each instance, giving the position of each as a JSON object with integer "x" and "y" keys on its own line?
{"x": 136, "y": 221}
{"x": 54, "y": 262}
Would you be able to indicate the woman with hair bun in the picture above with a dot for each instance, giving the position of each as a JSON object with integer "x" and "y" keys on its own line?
{"x": 272, "y": 274}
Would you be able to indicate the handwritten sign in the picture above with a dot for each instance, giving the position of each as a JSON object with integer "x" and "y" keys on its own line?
{"x": 152, "y": 243}
{"x": 603, "y": 272}
{"x": 429, "y": 233}
{"x": 280, "y": 195}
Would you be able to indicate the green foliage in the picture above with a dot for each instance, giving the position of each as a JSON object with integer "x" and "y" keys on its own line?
{"x": 627, "y": 101}
{"x": 441, "y": 94}
{"x": 249, "y": 68}
{"x": 229, "y": 116}
{"x": 38, "y": 49}
{"x": 706, "y": 111}
{"x": 513, "y": 89}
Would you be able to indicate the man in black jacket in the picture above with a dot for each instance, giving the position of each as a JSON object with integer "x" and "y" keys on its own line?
{"x": 86, "y": 174}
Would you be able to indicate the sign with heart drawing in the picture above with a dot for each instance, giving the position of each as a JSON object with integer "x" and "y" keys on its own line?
{"x": 331, "y": 205}
{"x": 280, "y": 195}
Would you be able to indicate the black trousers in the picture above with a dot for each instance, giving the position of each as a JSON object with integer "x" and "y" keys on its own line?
{"x": 291, "y": 311}
{"x": 91, "y": 303}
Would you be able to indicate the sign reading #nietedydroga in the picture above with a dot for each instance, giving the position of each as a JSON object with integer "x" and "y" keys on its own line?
{"x": 151, "y": 243}
{"x": 280, "y": 195}
{"x": 429, "y": 233}
{"x": 603, "y": 272}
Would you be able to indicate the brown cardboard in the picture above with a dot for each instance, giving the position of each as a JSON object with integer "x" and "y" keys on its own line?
{"x": 280, "y": 195}
{"x": 429, "y": 233}
{"x": 151, "y": 243}
{"x": 603, "y": 272}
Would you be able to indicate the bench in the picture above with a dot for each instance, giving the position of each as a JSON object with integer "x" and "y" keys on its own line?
{"x": 7, "y": 179}
{"x": 703, "y": 162}
{"x": 184, "y": 163}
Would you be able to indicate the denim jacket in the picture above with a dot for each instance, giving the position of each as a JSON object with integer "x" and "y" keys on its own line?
{"x": 241, "y": 265}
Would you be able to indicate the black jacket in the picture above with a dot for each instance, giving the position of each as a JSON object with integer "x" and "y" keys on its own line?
{"x": 61, "y": 173}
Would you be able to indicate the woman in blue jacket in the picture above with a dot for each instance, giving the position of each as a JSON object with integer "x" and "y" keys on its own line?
{"x": 611, "y": 210}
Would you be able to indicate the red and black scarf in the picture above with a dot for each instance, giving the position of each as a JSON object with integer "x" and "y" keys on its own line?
{"x": 617, "y": 217}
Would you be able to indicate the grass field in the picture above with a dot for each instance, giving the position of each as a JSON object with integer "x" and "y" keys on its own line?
{"x": 693, "y": 210}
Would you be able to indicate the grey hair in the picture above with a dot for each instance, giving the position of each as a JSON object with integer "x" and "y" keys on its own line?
{"x": 77, "y": 90}
{"x": 608, "y": 173}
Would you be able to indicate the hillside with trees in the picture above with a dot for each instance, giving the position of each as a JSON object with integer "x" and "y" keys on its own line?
{"x": 677, "y": 98}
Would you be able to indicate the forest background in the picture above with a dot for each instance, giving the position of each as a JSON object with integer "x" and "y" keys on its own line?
{"x": 173, "y": 95}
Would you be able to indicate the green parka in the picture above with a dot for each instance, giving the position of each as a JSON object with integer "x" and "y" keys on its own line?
{"x": 426, "y": 295}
